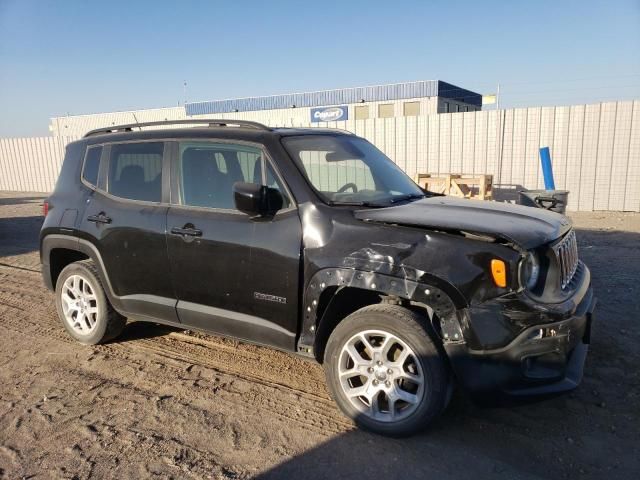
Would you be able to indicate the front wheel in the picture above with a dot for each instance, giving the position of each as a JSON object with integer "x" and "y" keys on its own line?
{"x": 385, "y": 372}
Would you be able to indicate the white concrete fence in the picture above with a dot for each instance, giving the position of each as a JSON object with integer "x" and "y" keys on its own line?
{"x": 595, "y": 150}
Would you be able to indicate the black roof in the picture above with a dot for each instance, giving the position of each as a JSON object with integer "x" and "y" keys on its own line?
{"x": 229, "y": 129}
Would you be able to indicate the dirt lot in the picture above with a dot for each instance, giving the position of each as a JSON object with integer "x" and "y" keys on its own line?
{"x": 164, "y": 403}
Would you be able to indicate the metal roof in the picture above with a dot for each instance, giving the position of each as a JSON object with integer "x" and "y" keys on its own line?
{"x": 424, "y": 88}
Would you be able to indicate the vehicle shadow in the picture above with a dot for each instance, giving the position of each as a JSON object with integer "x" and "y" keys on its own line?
{"x": 6, "y": 201}
{"x": 19, "y": 235}
{"x": 460, "y": 445}
{"x": 142, "y": 330}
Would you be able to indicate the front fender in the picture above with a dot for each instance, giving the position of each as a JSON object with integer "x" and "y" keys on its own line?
{"x": 433, "y": 293}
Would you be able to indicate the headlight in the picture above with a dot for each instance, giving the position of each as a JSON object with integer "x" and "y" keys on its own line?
{"x": 529, "y": 271}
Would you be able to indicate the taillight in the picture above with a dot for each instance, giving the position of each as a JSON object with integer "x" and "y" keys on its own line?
{"x": 45, "y": 208}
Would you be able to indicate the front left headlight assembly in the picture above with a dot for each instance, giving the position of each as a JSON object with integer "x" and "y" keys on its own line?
{"x": 530, "y": 271}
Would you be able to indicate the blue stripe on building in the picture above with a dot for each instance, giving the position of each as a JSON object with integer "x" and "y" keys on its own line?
{"x": 426, "y": 88}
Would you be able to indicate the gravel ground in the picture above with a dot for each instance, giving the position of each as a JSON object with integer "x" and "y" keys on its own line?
{"x": 165, "y": 403}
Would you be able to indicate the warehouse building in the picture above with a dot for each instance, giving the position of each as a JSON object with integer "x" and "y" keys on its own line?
{"x": 410, "y": 99}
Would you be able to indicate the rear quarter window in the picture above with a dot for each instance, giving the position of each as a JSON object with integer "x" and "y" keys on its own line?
{"x": 92, "y": 165}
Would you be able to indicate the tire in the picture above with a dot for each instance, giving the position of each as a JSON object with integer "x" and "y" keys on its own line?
{"x": 380, "y": 391}
{"x": 95, "y": 320}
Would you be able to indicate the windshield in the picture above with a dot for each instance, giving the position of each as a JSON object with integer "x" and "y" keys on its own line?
{"x": 349, "y": 170}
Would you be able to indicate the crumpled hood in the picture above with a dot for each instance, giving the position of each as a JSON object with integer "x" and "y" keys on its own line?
{"x": 525, "y": 226}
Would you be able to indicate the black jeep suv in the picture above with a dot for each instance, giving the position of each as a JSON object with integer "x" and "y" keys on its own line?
{"x": 312, "y": 241}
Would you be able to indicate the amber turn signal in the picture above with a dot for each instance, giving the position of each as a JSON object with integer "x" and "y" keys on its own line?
{"x": 499, "y": 272}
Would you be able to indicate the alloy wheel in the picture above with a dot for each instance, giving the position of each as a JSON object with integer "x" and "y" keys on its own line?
{"x": 381, "y": 375}
{"x": 79, "y": 304}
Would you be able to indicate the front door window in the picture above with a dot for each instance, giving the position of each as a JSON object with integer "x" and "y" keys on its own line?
{"x": 208, "y": 172}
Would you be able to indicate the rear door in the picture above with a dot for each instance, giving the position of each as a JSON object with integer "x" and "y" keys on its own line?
{"x": 125, "y": 220}
{"x": 232, "y": 274}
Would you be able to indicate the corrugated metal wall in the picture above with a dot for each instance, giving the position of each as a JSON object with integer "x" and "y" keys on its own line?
{"x": 595, "y": 150}
{"x": 31, "y": 164}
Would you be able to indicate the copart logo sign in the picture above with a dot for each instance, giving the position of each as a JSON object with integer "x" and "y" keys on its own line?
{"x": 330, "y": 114}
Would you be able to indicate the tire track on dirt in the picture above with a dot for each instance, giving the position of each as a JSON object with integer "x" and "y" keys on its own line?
{"x": 300, "y": 411}
{"x": 25, "y": 303}
{"x": 322, "y": 419}
{"x": 273, "y": 373}
{"x": 18, "y": 267}
{"x": 260, "y": 364}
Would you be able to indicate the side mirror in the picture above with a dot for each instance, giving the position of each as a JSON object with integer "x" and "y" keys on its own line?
{"x": 257, "y": 200}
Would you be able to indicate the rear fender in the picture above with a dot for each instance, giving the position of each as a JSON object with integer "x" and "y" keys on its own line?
{"x": 53, "y": 241}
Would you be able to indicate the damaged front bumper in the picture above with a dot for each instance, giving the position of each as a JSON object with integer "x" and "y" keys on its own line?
{"x": 546, "y": 356}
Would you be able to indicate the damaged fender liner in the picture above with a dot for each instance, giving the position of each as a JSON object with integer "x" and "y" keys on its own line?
{"x": 451, "y": 320}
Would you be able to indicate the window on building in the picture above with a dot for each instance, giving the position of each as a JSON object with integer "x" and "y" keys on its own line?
{"x": 135, "y": 171}
{"x": 463, "y": 108}
{"x": 446, "y": 107}
{"x": 362, "y": 112}
{"x": 385, "y": 110}
{"x": 411, "y": 109}
{"x": 92, "y": 165}
{"x": 209, "y": 170}
{"x": 456, "y": 108}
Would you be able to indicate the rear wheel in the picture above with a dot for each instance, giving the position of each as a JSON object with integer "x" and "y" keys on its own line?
{"x": 83, "y": 306}
{"x": 385, "y": 371}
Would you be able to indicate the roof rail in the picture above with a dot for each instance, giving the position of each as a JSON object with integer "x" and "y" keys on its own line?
{"x": 208, "y": 122}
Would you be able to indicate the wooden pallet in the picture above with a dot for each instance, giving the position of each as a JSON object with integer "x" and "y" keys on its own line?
{"x": 478, "y": 187}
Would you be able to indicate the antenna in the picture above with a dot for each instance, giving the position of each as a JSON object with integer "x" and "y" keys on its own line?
{"x": 136, "y": 119}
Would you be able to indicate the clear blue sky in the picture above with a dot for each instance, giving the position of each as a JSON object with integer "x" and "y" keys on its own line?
{"x": 59, "y": 57}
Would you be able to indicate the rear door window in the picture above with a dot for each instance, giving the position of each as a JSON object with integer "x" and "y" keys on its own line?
{"x": 135, "y": 171}
{"x": 92, "y": 165}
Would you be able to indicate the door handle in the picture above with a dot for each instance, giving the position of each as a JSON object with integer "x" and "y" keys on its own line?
{"x": 187, "y": 231}
{"x": 99, "y": 218}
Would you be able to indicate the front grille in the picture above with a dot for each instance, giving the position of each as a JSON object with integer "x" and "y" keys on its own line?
{"x": 566, "y": 252}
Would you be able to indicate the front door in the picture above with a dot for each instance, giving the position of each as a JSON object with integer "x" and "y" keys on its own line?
{"x": 232, "y": 274}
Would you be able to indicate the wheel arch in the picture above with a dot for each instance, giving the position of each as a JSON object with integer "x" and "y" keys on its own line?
{"x": 58, "y": 251}
{"x": 334, "y": 293}
{"x": 59, "y": 258}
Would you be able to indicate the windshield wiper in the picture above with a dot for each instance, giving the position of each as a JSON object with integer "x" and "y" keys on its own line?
{"x": 354, "y": 204}
{"x": 401, "y": 198}
{"x": 365, "y": 203}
